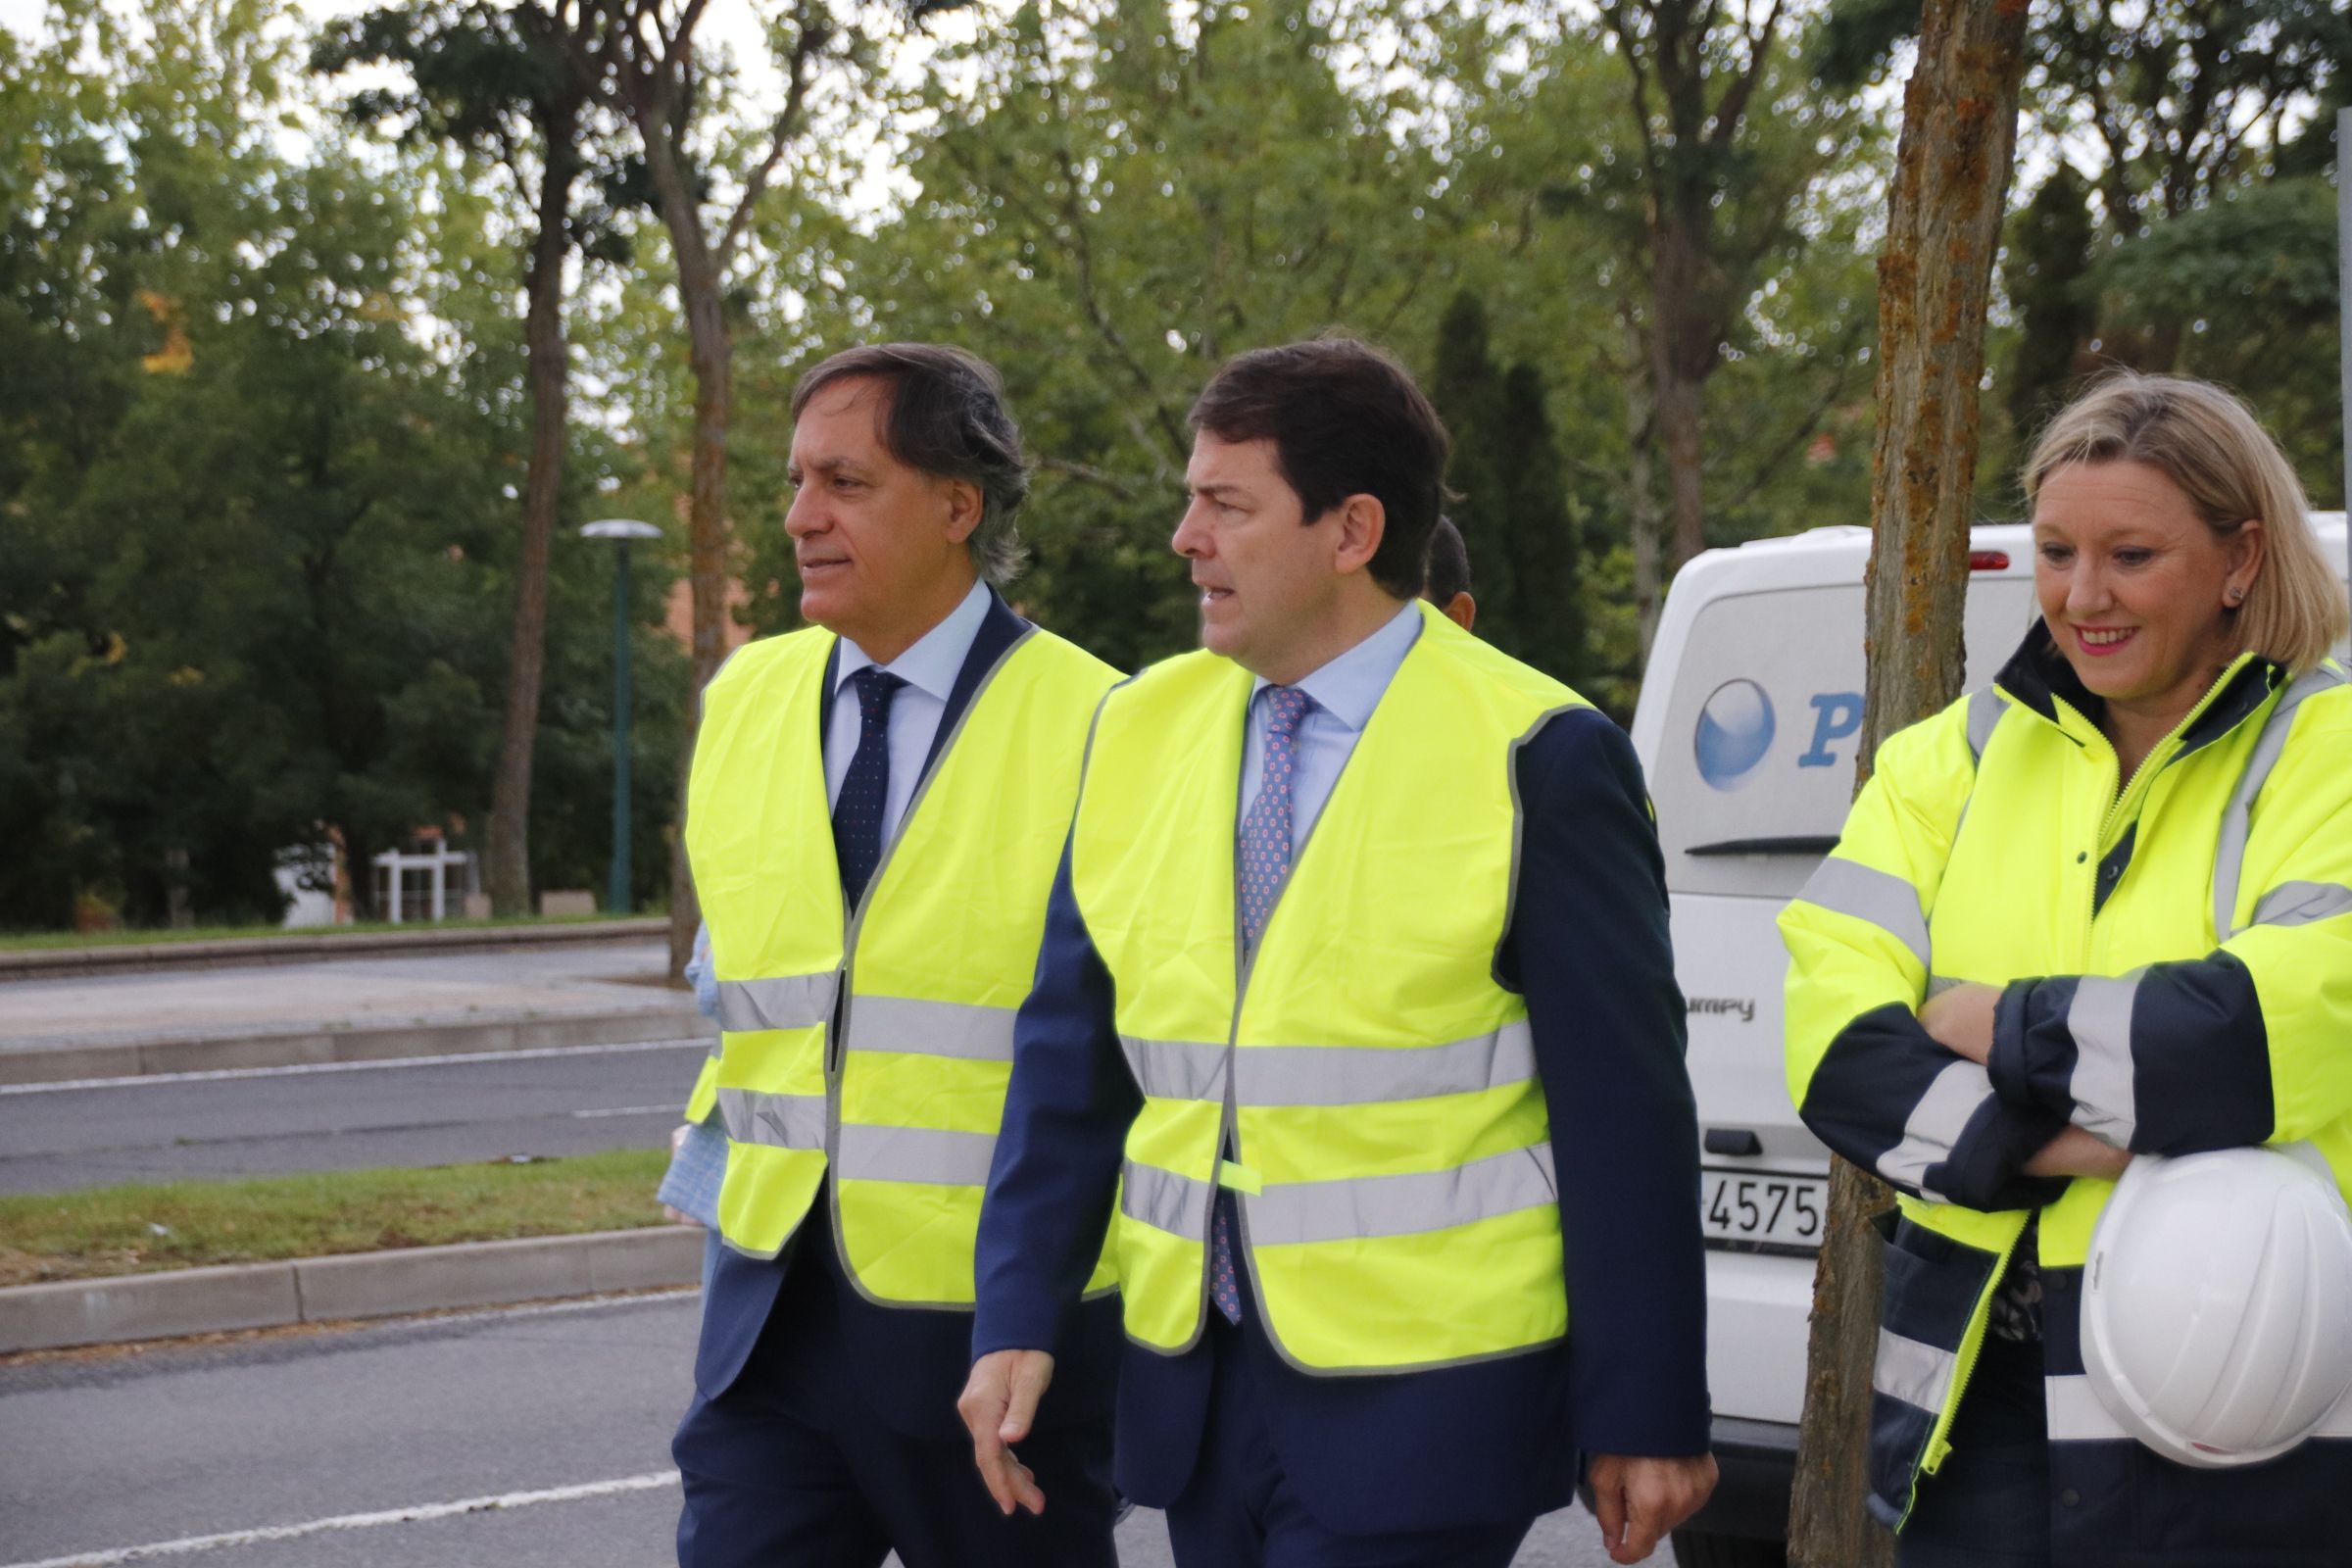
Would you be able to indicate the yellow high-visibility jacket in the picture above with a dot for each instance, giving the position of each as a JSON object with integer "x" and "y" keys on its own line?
{"x": 2175, "y": 956}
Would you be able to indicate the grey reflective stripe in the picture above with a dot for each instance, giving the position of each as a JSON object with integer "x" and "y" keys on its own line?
{"x": 2071, "y": 1408}
{"x": 2074, "y": 1414}
{"x": 779, "y": 1121}
{"x": 1984, "y": 712}
{"x": 1165, "y": 1201}
{"x": 784, "y": 1001}
{"x": 917, "y": 1028}
{"x": 1360, "y": 1207}
{"x": 2302, "y": 902}
{"x": 2100, "y": 1020}
{"x": 1914, "y": 1373}
{"x": 914, "y": 1155}
{"x": 1938, "y": 984}
{"x": 1884, "y": 900}
{"x": 1935, "y": 1126}
{"x": 1371, "y": 1075}
{"x": 1176, "y": 1069}
{"x": 1331, "y": 1075}
{"x": 2237, "y": 817}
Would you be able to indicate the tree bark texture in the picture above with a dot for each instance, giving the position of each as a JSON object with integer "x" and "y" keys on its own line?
{"x": 713, "y": 355}
{"x": 1688, "y": 322}
{"x": 1693, "y": 69}
{"x": 1644, "y": 524}
{"x": 710, "y": 350}
{"x": 1934, "y": 280}
{"x": 549, "y": 373}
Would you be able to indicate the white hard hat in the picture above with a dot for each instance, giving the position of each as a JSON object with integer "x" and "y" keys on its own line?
{"x": 2217, "y": 1304}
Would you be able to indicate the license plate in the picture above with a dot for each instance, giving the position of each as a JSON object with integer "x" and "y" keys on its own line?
{"x": 1762, "y": 1211}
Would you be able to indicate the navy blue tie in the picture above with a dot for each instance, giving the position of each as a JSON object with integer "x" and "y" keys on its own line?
{"x": 865, "y": 792}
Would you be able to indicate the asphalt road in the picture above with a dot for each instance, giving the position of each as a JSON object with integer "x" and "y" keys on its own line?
{"x": 348, "y": 1449}
{"x": 440, "y": 1112}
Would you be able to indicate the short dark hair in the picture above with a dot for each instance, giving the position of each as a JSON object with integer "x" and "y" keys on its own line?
{"x": 947, "y": 418}
{"x": 1449, "y": 571}
{"x": 1345, "y": 419}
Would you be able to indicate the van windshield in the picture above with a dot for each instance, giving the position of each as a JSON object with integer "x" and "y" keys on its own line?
{"x": 1756, "y": 767}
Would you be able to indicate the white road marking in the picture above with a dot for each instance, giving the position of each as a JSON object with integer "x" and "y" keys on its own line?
{"x": 418, "y": 1514}
{"x": 671, "y": 1107}
{"x": 676, "y": 1043}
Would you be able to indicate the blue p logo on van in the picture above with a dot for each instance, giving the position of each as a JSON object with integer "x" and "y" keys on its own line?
{"x": 1735, "y": 731}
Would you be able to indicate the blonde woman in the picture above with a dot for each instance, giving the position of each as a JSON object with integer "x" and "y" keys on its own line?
{"x": 2100, "y": 909}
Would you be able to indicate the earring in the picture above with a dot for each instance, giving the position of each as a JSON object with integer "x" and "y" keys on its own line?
{"x": 2238, "y": 595}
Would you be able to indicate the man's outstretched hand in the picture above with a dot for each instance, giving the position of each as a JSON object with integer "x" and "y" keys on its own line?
{"x": 998, "y": 1405}
{"x": 1638, "y": 1501}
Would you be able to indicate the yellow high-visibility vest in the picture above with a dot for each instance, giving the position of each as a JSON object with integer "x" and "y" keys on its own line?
{"x": 1998, "y": 842}
{"x": 921, "y": 980}
{"x": 1392, "y": 1147}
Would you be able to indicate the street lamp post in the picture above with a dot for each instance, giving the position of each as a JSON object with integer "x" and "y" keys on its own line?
{"x": 620, "y": 530}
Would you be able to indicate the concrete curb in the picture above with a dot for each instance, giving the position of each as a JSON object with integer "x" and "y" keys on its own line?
{"x": 299, "y": 1047}
{"x": 358, "y": 1285}
{"x": 67, "y": 963}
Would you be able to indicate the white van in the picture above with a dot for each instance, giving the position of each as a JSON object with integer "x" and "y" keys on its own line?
{"x": 1747, "y": 728}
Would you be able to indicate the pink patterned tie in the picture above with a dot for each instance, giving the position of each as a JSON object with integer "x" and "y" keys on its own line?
{"x": 1263, "y": 864}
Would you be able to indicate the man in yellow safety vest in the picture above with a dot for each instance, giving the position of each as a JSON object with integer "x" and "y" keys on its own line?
{"x": 1372, "y": 1065}
{"x": 875, "y": 812}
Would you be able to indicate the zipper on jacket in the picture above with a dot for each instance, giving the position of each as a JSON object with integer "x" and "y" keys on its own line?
{"x": 1980, "y": 1325}
{"x": 2134, "y": 791}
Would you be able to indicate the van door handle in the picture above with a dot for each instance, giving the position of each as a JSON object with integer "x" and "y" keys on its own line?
{"x": 1733, "y": 1141}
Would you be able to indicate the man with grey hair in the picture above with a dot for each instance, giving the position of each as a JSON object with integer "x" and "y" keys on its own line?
{"x": 874, "y": 817}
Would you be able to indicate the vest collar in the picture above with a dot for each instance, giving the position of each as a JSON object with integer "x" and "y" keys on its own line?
{"x": 2037, "y": 676}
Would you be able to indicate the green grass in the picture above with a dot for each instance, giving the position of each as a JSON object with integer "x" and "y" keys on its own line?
{"x": 32, "y": 941}
{"x": 113, "y": 1230}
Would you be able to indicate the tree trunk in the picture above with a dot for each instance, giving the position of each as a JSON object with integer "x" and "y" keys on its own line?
{"x": 1644, "y": 528}
{"x": 1682, "y": 353}
{"x": 510, "y": 867}
{"x": 1934, "y": 280}
{"x": 711, "y": 354}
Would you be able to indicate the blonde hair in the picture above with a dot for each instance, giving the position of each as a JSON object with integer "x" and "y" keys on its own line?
{"x": 2209, "y": 443}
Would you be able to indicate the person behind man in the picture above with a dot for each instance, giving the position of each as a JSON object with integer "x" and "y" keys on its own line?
{"x": 1445, "y": 583}
{"x": 1377, "y": 1293}
{"x": 873, "y": 817}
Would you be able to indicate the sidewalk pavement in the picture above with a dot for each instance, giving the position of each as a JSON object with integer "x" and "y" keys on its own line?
{"x": 358, "y": 1285}
{"x": 310, "y": 947}
{"x": 339, "y": 1010}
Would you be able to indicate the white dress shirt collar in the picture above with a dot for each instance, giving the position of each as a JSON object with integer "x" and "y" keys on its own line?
{"x": 1350, "y": 687}
{"x": 931, "y": 663}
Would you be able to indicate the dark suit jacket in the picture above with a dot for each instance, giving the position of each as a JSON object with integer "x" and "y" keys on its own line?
{"x": 908, "y": 1363}
{"x": 1489, "y": 1441}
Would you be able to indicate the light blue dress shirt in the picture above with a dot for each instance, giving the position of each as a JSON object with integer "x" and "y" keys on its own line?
{"x": 1344, "y": 691}
{"x": 929, "y": 669}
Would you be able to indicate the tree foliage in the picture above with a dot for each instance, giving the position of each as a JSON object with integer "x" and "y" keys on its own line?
{"x": 256, "y": 542}
{"x": 266, "y": 435}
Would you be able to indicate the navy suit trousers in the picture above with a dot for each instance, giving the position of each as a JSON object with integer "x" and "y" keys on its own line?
{"x": 1231, "y": 1440}
{"x": 1241, "y": 1507}
{"x": 810, "y": 1442}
